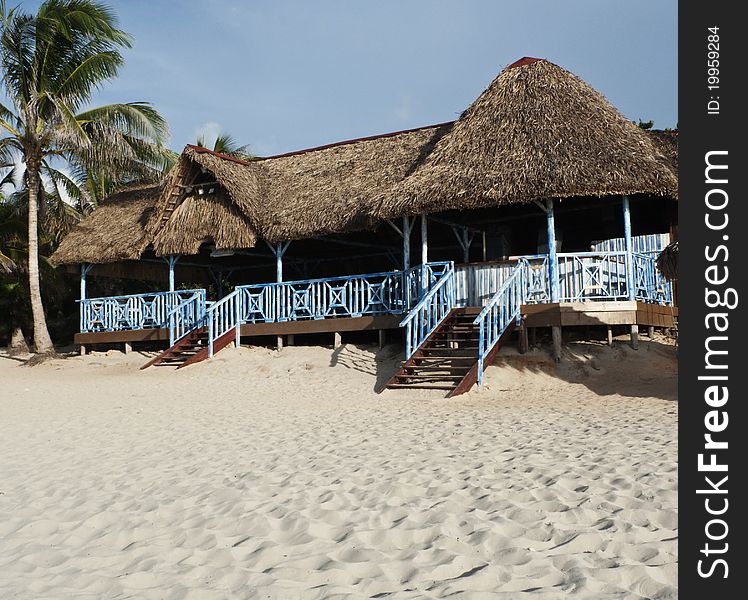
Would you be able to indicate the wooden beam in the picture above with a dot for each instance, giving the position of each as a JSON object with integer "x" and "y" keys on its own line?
{"x": 557, "y": 342}
{"x": 523, "y": 341}
{"x": 635, "y": 337}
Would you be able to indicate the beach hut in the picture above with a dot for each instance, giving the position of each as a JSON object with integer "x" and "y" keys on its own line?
{"x": 541, "y": 206}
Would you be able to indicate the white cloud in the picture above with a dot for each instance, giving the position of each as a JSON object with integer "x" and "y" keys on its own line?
{"x": 209, "y": 132}
{"x": 404, "y": 108}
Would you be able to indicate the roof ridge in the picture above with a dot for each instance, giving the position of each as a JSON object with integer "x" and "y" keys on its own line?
{"x": 353, "y": 141}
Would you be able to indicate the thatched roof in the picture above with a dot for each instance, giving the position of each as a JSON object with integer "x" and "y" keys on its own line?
{"x": 210, "y": 219}
{"x": 667, "y": 261}
{"x": 332, "y": 189}
{"x": 314, "y": 192}
{"x": 666, "y": 142}
{"x": 114, "y": 231}
{"x": 537, "y": 132}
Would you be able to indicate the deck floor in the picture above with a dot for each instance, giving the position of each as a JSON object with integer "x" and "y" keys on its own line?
{"x": 566, "y": 314}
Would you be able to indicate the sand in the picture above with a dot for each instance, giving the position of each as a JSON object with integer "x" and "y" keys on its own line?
{"x": 282, "y": 475}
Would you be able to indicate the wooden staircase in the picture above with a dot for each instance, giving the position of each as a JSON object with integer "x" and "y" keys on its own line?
{"x": 191, "y": 349}
{"x": 448, "y": 359}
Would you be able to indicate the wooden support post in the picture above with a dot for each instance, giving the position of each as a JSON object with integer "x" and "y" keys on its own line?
{"x": 424, "y": 253}
{"x": 523, "y": 342}
{"x": 82, "y": 349}
{"x": 172, "y": 260}
{"x": 635, "y": 337}
{"x": 278, "y": 251}
{"x": 630, "y": 281}
{"x": 424, "y": 239}
{"x": 85, "y": 268}
{"x": 279, "y": 343}
{"x": 484, "y": 246}
{"x": 337, "y": 340}
{"x": 127, "y": 348}
{"x": 290, "y": 339}
{"x": 382, "y": 338}
{"x": 278, "y": 262}
{"x": 651, "y": 332}
{"x": 533, "y": 337}
{"x": 552, "y": 258}
{"x": 610, "y": 335}
{"x": 406, "y": 242}
{"x": 556, "y": 333}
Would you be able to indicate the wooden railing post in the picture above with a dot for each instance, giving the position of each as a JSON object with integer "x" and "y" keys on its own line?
{"x": 630, "y": 281}
{"x": 552, "y": 257}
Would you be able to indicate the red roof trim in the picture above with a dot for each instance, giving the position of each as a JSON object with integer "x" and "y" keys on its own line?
{"x": 354, "y": 140}
{"x": 201, "y": 150}
{"x": 524, "y": 61}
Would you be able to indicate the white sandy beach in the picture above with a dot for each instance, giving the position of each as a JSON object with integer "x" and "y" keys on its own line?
{"x": 282, "y": 475}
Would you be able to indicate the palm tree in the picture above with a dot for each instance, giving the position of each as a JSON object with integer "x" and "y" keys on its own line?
{"x": 226, "y": 144}
{"x": 52, "y": 62}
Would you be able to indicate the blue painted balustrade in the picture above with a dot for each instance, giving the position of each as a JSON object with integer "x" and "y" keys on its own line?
{"x": 222, "y": 317}
{"x": 592, "y": 276}
{"x": 390, "y": 292}
{"x": 136, "y": 311}
{"x": 186, "y": 316}
{"x": 650, "y": 285}
{"x": 430, "y": 311}
{"x": 500, "y": 312}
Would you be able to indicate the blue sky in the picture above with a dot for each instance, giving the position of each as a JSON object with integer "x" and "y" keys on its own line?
{"x": 282, "y": 75}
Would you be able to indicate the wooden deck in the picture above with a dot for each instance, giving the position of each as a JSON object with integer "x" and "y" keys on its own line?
{"x": 571, "y": 314}
{"x": 344, "y": 324}
{"x": 536, "y": 315}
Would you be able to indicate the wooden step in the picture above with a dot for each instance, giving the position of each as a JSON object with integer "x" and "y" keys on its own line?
{"x": 418, "y": 377}
{"x": 419, "y": 386}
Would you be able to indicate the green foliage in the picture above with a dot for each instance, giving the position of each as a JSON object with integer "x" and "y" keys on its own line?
{"x": 51, "y": 63}
{"x": 644, "y": 124}
{"x": 226, "y": 144}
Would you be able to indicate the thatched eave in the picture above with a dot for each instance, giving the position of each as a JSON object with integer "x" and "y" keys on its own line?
{"x": 115, "y": 231}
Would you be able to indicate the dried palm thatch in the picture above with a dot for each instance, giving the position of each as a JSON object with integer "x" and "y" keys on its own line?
{"x": 115, "y": 231}
{"x": 666, "y": 142}
{"x": 240, "y": 178}
{"x": 537, "y": 132}
{"x": 332, "y": 189}
{"x": 204, "y": 219}
{"x": 299, "y": 195}
{"x": 667, "y": 261}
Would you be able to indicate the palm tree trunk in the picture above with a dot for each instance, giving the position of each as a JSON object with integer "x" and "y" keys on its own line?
{"x": 42, "y": 341}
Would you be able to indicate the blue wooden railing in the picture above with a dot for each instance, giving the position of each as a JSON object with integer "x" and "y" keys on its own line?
{"x": 650, "y": 285}
{"x": 390, "y": 292}
{"x": 136, "y": 311}
{"x": 500, "y": 312}
{"x": 222, "y": 317}
{"x": 430, "y": 311}
{"x": 186, "y": 316}
{"x": 592, "y": 276}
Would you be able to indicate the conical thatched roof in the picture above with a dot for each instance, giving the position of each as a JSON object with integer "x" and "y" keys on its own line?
{"x": 667, "y": 261}
{"x": 666, "y": 142}
{"x": 114, "y": 231}
{"x": 537, "y": 132}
